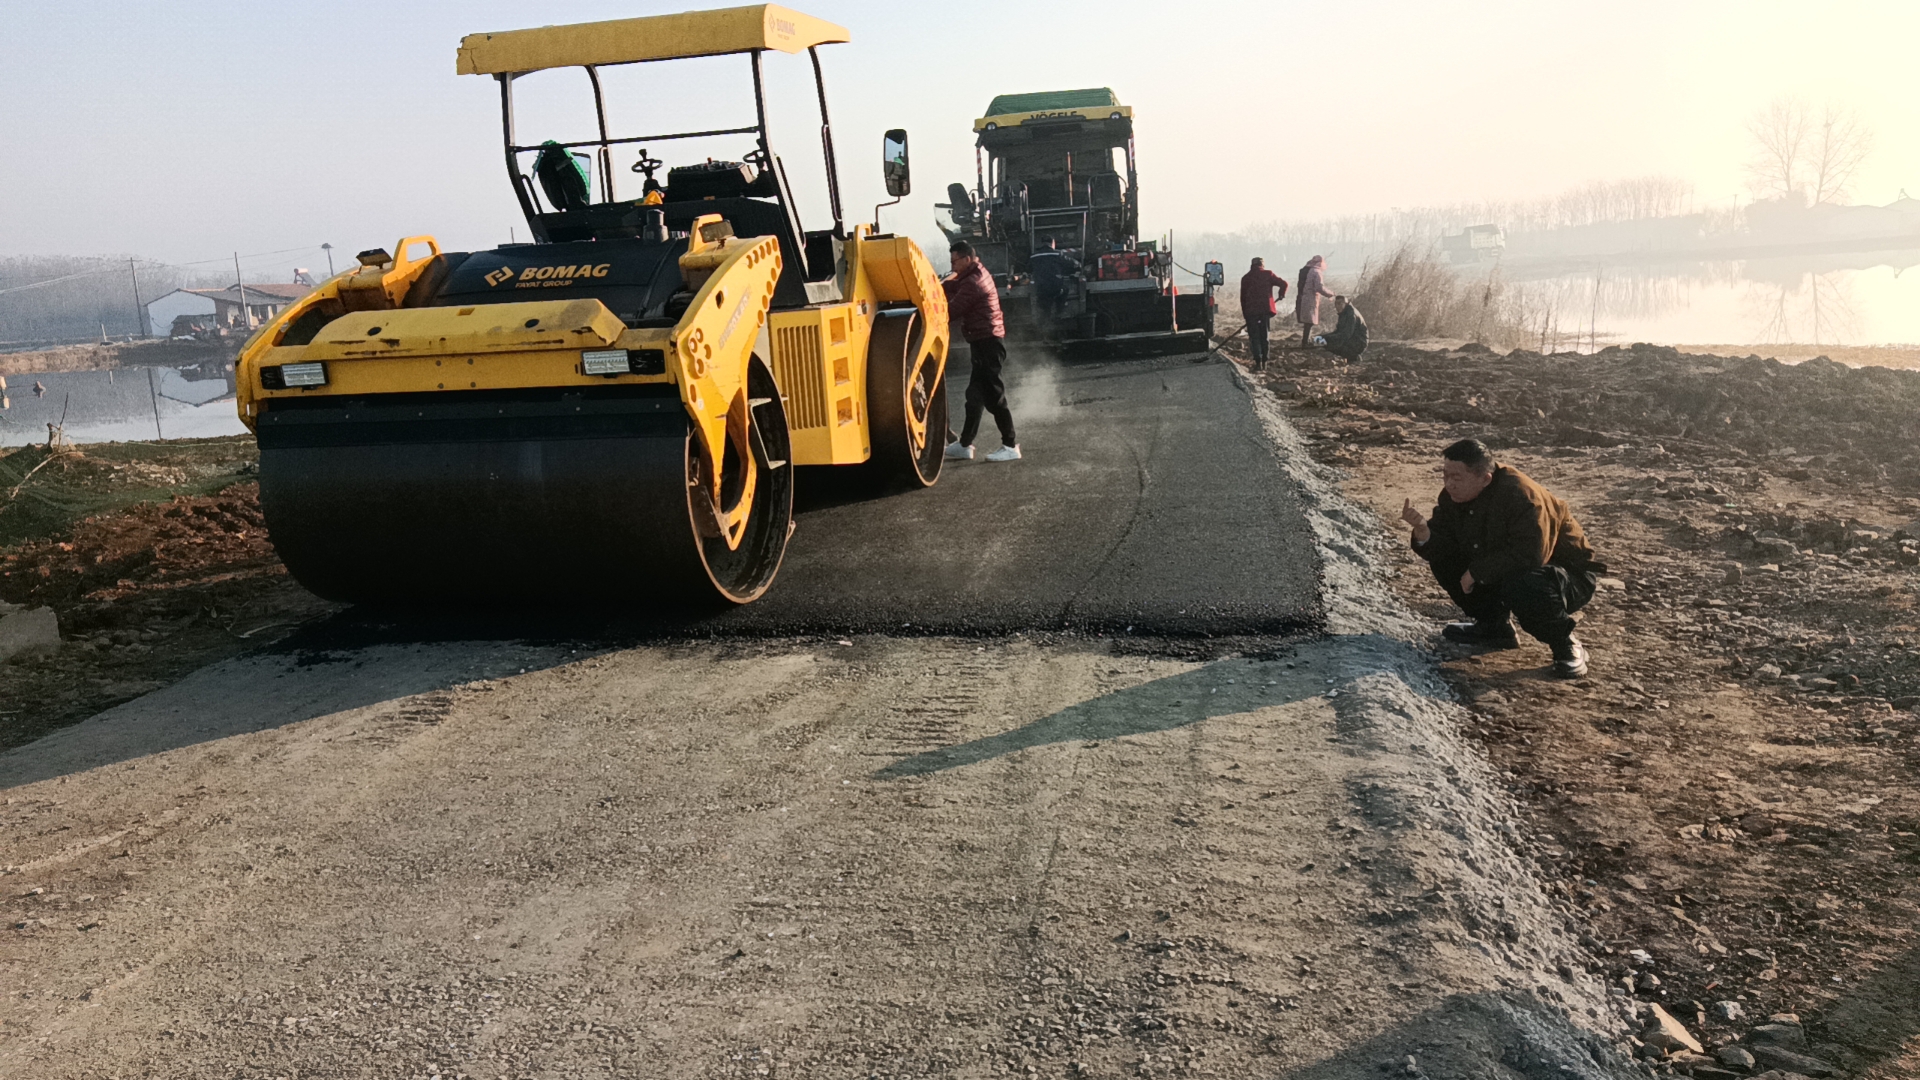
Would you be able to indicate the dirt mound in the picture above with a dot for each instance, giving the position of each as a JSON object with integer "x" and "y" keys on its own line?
{"x": 43, "y": 494}
{"x": 1730, "y": 801}
{"x": 144, "y": 595}
{"x": 148, "y": 548}
{"x": 1819, "y": 417}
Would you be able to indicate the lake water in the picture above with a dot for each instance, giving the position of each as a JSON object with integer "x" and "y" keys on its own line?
{"x": 1853, "y": 300}
{"x": 123, "y": 405}
{"x": 1864, "y": 299}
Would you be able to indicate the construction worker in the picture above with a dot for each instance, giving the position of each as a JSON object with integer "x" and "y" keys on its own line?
{"x": 973, "y": 307}
{"x": 1051, "y": 269}
{"x": 1348, "y": 338}
{"x": 1502, "y": 546}
{"x": 1306, "y": 299}
{"x": 1258, "y": 307}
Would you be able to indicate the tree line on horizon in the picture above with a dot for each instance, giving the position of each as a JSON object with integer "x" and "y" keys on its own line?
{"x": 1800, "y": 152}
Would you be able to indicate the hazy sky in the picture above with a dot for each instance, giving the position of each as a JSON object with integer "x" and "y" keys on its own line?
{"x": 185, "y": 130}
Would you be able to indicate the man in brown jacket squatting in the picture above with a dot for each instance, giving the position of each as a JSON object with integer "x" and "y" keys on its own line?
{"x": 1502, "y": 545}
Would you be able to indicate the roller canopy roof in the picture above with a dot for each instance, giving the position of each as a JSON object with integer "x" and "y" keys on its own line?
{"x": 655, "y": 37}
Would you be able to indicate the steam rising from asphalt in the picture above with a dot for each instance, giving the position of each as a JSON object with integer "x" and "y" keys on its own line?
{"x": 1033, "y": 390}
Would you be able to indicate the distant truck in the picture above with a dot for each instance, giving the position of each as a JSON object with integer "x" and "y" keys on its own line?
{"x": 1475, "y": 243}
{"x": 1059, "y": 166}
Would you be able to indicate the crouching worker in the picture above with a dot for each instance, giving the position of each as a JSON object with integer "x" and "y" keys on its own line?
{"x": 1503, "y": 546}
{"x": 1348, "y": 338}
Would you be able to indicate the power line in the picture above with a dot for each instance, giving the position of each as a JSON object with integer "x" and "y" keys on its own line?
{"x": 152, "y": 263}
{"x": 255, "y": 255}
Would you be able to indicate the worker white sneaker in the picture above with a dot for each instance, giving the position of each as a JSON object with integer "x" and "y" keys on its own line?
{"x": 1005, "y": 453}
{"x": 959, "y": 452}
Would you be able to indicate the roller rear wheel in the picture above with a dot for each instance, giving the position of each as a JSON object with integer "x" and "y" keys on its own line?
{"x": 741, "y": 574}
{"x": 906, "y": 405}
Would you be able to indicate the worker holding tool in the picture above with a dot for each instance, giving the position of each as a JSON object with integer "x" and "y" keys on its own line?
{"x": 1258, "y": 306}
{"x": 973, "y": 305}
{"x": 1502, "y": 546}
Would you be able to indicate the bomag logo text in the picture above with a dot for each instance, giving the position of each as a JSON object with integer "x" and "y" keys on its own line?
{"x": 555, "y": 274}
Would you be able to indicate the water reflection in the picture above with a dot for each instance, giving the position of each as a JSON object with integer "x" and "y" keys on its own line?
{"x": 1829, "y": 299}
{"x": 1822, "y": 309}
{"x": 121, "y": 405}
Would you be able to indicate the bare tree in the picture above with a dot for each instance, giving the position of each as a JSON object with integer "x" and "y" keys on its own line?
{"x": 1804, "y": 153}
{"x": 1837, "y": 144}
{"x": 1779, "y": 134}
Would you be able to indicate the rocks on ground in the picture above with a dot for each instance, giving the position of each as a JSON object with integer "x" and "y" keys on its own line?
{"x": 1731, "y": 802}
{"x": 27, "y": 631}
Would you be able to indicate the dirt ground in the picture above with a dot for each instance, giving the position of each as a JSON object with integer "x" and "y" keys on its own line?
{"x": 1731, "y": 798}
{"x": 156, "y": 561}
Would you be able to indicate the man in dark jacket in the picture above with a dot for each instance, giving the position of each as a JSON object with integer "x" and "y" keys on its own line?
{"x": 973, "y": 311}
{"x": 1051, "y": 269}
{"x": 1348, "y": 339}
{"x": 1501, "y": 545}
{"x": 1257, "y": 307}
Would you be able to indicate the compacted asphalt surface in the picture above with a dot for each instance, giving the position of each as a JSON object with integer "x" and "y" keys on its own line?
{"x": 1148, "y": 498}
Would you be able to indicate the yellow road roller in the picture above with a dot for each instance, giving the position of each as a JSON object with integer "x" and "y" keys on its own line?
{"x": 616, "y": 410}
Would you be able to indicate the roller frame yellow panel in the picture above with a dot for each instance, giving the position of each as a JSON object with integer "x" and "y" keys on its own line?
{"x": 655, "y": 37}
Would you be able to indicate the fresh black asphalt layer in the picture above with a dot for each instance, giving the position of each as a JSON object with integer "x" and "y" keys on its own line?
{"x": 1149, "y": 498}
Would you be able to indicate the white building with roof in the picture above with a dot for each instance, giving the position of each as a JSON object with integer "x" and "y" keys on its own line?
{"x": 221, "y": 307}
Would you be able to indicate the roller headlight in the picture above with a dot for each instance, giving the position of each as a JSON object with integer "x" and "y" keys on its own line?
{"x": 624, "y": 362}
{"x": 290, "y": 376}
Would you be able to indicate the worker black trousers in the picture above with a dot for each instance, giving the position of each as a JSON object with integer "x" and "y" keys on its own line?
{"x": 1049, "y": 298}
{"x": 986, "y": 393}
{"x": 1542, "y": 601}
{"x": 1345, "y": 346}
{"x": 1257, "y": 339}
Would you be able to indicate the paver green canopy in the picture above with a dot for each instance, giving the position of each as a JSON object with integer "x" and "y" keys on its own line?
{"x": 1006, "y": 104}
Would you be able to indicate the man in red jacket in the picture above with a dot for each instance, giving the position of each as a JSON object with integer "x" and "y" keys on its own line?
{"x": 1258, "y": 308}
{"x": 973, "y": 310}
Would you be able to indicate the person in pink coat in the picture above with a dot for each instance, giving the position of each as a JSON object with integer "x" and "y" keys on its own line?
{"x": 1306, "y": 299}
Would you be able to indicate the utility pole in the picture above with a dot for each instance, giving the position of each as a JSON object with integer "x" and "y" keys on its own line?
{"x": 246, "y": 317}
{"x": 139, "y": 309}
{"x": 153, "y": 394}
{"x": 328, "y": 248}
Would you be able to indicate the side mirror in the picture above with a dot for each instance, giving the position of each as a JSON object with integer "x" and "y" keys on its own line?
{"x": 894, "y": 163}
